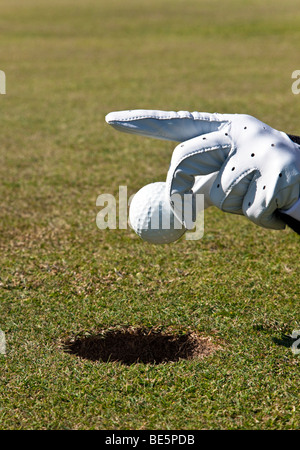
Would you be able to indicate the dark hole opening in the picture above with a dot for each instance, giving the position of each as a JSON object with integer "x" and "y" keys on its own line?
{"x": 138, "y": 345}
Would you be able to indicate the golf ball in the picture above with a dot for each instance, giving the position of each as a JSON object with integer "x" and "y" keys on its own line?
{"x": 151, "y": 216}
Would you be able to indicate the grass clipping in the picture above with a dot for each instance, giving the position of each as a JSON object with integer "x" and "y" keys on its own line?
{"x": 139, "y": 345}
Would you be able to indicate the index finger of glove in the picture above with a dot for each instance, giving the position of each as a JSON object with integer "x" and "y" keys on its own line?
{"x": 166, "y": 125}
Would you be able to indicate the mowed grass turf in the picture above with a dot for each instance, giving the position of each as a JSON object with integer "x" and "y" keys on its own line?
{"x": 68, "y": 64}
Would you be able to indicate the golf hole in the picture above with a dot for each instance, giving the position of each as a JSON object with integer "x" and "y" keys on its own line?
{"x": 139, "y": 345}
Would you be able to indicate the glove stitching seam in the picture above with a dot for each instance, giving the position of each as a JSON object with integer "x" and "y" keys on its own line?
{"x": 207, "y": 119}
{"x": 203, "y": 150}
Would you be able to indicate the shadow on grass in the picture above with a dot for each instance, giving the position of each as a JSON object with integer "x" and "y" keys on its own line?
{"x": 284, "y": 341}
{"x": 269, "y": 327}
{"x": 138, "y": 345}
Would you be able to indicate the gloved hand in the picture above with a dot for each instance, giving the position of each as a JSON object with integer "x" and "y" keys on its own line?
{"x": 250, "y": 168}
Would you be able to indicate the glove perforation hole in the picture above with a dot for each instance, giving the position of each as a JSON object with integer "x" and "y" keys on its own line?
{"x": 272, "y": 145}
{"x": 264, "y": 187}
{"x": 252, "y": 155}
{"x": 218, "y": 185}
{"x": 280, "y": 174}
{"x": 245, "y": 128}
{"x": 233, "y": 169}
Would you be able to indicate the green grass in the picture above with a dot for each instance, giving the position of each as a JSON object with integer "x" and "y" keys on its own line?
{"x": 68, "y": 64}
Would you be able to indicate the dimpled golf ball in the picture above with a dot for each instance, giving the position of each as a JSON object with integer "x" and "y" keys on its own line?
{"x": 151, "y": 216}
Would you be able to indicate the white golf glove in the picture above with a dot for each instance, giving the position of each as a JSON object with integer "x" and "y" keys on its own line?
{"x": 242, "y": 165}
